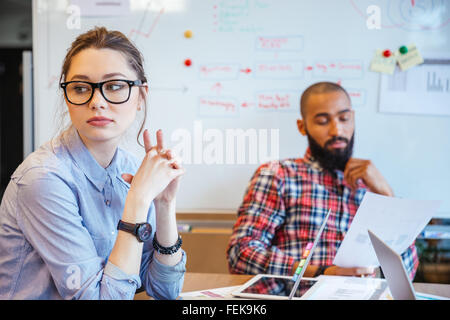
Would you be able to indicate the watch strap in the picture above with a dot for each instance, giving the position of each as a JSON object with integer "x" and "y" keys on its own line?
{"x": 126, "y": 226}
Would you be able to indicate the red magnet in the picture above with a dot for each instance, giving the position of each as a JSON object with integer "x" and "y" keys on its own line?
{"x": 387, "y": 53}
{"x": 187, "y": 62}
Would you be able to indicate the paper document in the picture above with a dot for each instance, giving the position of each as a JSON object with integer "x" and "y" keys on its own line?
{"x": 348, "y": 288}
{"x": 210, "y": 294}
{"x": 396, "y": 221}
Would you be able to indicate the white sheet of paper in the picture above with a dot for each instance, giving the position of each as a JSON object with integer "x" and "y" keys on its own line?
{"x": 348, "y": 288}
{"x": 210, "y": 294}
{"x": 396, "y": 221}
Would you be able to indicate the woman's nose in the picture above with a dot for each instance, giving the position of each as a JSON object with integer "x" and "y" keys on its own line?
{"x": 97, "y": 101}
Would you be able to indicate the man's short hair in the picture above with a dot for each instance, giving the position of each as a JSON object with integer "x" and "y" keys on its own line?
{"x": 318, "y": 88}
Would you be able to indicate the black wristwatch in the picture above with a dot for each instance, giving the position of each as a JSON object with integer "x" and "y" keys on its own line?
{"x": 142, "y": 231}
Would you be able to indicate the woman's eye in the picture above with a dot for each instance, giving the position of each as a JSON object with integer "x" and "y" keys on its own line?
{"x": 114, "y": 87}
{"x": 80, "y": 89}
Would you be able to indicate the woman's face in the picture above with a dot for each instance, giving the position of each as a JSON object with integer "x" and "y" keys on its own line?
{"x": 99, "y": 120}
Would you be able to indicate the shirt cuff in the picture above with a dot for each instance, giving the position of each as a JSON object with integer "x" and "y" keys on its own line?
{"x": 165, "y": 273}
{"x": 116, "y": 273}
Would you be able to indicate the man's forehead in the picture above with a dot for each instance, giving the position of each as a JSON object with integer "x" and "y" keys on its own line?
{"x": 331, "y": 103}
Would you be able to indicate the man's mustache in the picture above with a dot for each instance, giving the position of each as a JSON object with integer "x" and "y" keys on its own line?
{"x": 335, "y": 139}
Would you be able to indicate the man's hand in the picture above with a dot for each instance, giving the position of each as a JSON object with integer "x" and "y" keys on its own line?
{"x": 355, "y": 272}
{"x": 366, "y": 171}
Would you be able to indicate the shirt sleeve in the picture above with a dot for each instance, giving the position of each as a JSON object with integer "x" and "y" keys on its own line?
{"x": 49, "y": 219}
{"x": 250, "y": 250}
{"x": 411, "y": 260}
{"x": 160, "y": 281}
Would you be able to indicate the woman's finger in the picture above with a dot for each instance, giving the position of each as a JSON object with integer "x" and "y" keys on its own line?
{"x": 147, "y": 141}
{"x": 127, "y": 177}
{"x": 159, "y": 140}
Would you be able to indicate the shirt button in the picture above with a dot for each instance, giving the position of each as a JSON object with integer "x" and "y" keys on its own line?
{"x": 107, "y": 202}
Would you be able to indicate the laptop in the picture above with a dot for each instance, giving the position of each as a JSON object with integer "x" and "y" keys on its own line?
{"x": 395, "y": 272}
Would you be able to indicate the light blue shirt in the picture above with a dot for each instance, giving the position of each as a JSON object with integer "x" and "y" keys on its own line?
{"x": 58, "y": 225}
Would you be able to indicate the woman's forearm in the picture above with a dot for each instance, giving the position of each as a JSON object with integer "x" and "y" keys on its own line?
{"x": 127, "y": 251}
{"x": 166, "y": 231}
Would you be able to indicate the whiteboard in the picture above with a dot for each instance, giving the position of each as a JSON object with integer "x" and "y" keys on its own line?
{"x": 250, "y": 61}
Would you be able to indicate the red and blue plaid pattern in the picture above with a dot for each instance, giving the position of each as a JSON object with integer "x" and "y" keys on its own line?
{"x": 283, "y": 209}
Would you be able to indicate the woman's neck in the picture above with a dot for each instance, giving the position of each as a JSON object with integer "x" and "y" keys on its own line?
{"x": 102, "y": 151}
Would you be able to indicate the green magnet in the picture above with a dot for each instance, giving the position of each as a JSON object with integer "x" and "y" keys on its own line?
{"x": 403, "y": 49}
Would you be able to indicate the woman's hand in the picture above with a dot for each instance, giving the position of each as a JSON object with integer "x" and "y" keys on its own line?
{"x": 169, "y": 193}
{"x": 157, "y": 177}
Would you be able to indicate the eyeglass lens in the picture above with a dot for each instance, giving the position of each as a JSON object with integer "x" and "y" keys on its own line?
{"x": 114, "y": 91}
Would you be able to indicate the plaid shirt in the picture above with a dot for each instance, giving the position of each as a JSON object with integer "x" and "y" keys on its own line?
{"x": 283, "y": 209}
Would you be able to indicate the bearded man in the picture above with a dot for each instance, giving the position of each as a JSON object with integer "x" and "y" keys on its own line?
{"x": 286, "y": 201}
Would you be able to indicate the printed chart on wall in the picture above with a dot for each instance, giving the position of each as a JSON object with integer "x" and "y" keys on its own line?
{"x": 424, "y": 89}
{"x": 226, "y": 76}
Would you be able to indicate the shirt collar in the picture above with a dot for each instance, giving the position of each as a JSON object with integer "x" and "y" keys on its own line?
{"x": 313, "y": 163}
{"x": 86, "y": 162}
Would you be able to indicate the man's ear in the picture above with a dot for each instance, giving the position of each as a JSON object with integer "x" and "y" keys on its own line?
{"x": 301, "y": 126}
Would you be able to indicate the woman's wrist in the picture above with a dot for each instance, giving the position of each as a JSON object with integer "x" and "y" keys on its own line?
{"x": 165, "y": 205}
{"x": 136, "y": 208}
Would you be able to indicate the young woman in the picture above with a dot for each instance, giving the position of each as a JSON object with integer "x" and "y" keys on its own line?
{"x": 80, "y": 218}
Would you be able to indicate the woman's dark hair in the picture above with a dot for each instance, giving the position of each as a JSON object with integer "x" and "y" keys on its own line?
{"x": 101, "y": 38}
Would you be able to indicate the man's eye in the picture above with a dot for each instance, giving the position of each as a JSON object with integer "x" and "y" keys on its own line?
{"x": 321, "y": 121}
{"x": 344, "y": 119}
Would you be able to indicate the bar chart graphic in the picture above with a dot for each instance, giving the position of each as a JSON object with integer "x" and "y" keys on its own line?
{"x": 437, "y": 83}
{"x": 424, "y": 89}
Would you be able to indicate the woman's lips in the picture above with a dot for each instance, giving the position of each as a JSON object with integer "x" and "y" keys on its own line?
{"x": 99, "y": 121}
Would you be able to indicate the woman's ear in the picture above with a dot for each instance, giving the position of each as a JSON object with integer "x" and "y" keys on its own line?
{"x": 143, "y": 96}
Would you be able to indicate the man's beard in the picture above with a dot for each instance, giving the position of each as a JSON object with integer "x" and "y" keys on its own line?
{"x": 331, "y": 160}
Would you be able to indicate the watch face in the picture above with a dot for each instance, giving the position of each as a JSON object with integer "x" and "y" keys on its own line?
{"x": 144, "y": 231}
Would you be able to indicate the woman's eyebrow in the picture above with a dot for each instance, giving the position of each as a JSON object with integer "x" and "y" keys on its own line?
{"x": 114, "y": 74}
{"x": 106, "y": 76}
{"x": 80, "y": 76}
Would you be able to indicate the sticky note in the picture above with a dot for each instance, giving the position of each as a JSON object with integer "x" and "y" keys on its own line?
{"x": 408, "y": 57}
{"x": 381, "y": 63}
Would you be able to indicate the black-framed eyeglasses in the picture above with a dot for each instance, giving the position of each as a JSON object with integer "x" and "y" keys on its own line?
{"x": 114, "y": 91}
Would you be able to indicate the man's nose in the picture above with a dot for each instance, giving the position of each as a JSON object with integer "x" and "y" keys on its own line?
{"x": 335, "y": 128}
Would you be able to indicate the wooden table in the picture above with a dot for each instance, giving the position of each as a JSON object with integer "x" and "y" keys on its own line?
{"x": 202, "y": 281}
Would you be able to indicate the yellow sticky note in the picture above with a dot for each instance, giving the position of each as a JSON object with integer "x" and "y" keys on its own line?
{"x": 409, "y": 59}
{"x": 383, "y": 64}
